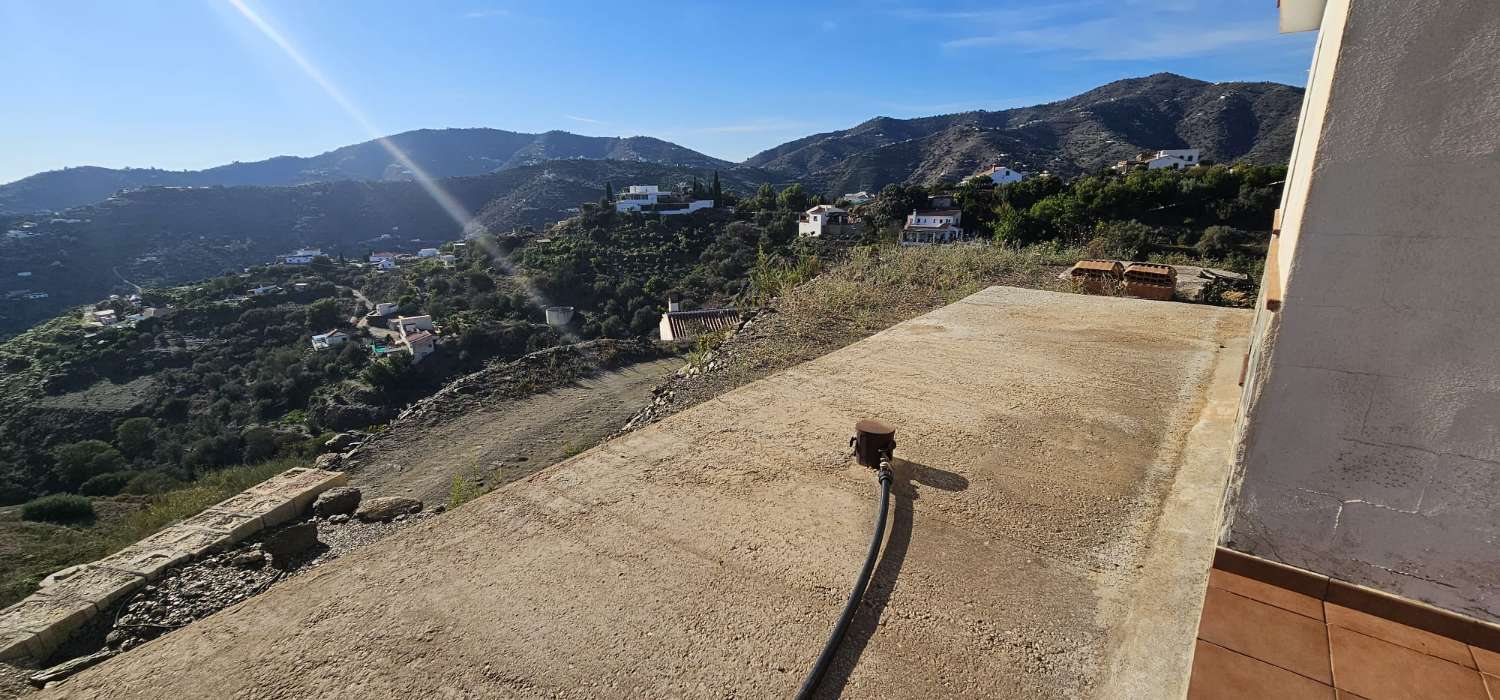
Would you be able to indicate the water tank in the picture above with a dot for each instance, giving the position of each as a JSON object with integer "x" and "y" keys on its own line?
{"x": 559, "y": 315}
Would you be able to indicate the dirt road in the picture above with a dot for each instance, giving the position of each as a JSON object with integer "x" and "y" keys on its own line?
{"x": 512, "y": 438}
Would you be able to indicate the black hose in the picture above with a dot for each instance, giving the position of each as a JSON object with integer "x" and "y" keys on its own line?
{"x": 831, "y": 647}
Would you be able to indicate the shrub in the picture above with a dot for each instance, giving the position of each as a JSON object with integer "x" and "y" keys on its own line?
{"x": 150, "y": 482}
{"x": 62, "y": 508}
{"x": 106, "y": 484}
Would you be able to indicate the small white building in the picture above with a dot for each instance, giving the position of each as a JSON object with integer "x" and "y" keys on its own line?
{"x": 412, "y": 324}
{"x": 23, "y": 274}
{"x": 301, "y": 256}
{"x": 331, "y": 339}
{"x": 383, "y": 261}
{"x": 1177, "y": 159}
{"x": 857, "y": 198}
{"x": 263, "y": 290}
{"x": 1001, "y": 175}
{"x": 448, "y": 260}
{"x": 419, "y": 344}
{"x": 677, "y": 324}
{"x": 651, "y": 199}
{"x": 824, "y": 220}
{"x": 385, "y": 308}
{"x": 427, "y": 253}
{"x": 106, "y": 317}
{"x": 933, "y": 226}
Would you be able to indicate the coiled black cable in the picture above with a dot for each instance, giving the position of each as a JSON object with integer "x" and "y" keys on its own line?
{"x": 831, "y": 647}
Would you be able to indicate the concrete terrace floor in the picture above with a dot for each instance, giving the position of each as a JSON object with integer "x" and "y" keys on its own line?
{"x": 1054, "y": 519}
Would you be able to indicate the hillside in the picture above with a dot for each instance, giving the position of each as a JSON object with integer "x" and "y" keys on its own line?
{"x": 163, "y": 236}
{"x": 440, "y": 152}
{"x": 1252, "y": 122}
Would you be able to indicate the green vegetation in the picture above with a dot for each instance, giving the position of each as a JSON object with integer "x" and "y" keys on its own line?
{"x": 32, "y": 548}
{"x": 59, "y": 508}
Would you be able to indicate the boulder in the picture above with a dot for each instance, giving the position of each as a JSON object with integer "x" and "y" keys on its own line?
{"x": 328, "y": 462}
{"x": 249, "y": 559}
{"x": 337, "y": 501}
{"x": 387, "y": 508}
{"x": 291, "y": 540}
{"x": 342, "y": 442}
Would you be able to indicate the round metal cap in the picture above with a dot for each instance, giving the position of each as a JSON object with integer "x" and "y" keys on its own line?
{"x": 875, "y": 427}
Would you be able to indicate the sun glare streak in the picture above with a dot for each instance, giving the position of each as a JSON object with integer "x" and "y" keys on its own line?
{"x": 456, "y": 210}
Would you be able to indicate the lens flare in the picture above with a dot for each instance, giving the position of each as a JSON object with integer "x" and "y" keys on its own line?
{"x": 455, "y": 210}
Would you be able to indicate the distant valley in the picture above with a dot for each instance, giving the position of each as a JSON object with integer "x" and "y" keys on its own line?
{"x": 75, "y": 235}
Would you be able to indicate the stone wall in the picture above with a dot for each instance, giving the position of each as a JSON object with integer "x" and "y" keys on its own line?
{"x": 67, "y": 599}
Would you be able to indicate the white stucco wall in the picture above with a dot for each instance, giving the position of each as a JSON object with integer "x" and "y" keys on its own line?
{"x": 1371, "y": 433}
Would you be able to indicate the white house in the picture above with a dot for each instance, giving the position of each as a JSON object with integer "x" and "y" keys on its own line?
{"x": 1176, "y": 159}
{"x": 263, "y": 290}
{"x": 419, "y": 344}
{"x": 824, "y": 220}
{"x": 301, "y": 256}
{"x": 385, "y": 308}
{"x": 412, "y": 324}
{"x": 1001, "y": 175}
{"x": 23, "y": 274}
{"x": 448, "y": 260}
{"x": 107, "y": 317}
{"x": 427, "y": 253}
{"x": 677, "y": 324}
{"x": 933, "y": 226}
{"x": 857, "y": 198}
{"x": 331, "y": 339}
{"x": 651, "y": 199}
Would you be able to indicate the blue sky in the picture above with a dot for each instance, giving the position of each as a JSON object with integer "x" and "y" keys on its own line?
{"x": 193, "y": 83}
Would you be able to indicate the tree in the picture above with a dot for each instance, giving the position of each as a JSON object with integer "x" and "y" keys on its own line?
{"x": 609, "y": 195}
{"x": 133, "y": 436}
{"x": 765, "y": 197}
{"x": 323, "y": 314}
{"x": 793, "y": 198}
{"x": 260, "y": 444}
{"x": 1218, "y": 241}
{"x": 79, "y": 461}
{"x": 718, "y": 191}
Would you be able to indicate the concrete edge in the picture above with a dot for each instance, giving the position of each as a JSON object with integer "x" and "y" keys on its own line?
{"x": 39, "y": 624}
{"x": 1153, "y": 655}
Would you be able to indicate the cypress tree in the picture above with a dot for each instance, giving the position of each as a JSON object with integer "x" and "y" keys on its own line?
{"x": 718, "y": 191}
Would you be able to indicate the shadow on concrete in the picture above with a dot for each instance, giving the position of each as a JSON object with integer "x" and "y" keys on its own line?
{"x": 906, "y": 476}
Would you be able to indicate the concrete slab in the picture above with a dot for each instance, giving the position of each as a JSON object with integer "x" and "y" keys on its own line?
{"x": 1041, "y": 439}
{"x": 237, "y": 525}
{"x": 272, "y": 508}
{"x": 282, "y": 497}
{"x": 47, "y": 620}
{"x": 102, "y": 586}
{"x": 165, "y": 549}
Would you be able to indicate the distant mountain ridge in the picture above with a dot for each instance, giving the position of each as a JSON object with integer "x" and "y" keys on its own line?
{"x": 1253, "y": 122}
{"x": 440, "y": 152}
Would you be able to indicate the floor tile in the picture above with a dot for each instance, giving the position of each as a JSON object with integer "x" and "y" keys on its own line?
{"x": 1397, "y": 633}
{"x": 1346, "y": 695}
{"x": 1380, "y": 670}
{"x": 1266, "y": 593}
{"x": 1220, "y": 674}
{"x": 1493, "y": 683}
{"x": 1294, "y": 642}
{"x": 1489, "y": 661}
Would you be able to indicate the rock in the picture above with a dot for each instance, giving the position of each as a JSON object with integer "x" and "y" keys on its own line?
{"x": 249, "y": 559}
{"x": 337, "y": 501}
{"x": 328, "y": 461}
{"x": 291, "y": 540}
{"x": 339, "y": 519}
{"x": 341, "y": 442}
{"x": 439, "y": 508}
{"x": 51, "y": 676}
{"x": 387, "y": 508}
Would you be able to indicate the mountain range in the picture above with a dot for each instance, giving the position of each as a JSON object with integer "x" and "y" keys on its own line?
{"x": 80, "y": 233}
{"x": 439, "y": 152}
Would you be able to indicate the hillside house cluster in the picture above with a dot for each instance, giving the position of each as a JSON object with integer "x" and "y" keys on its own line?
{"x": 855, "y": 199}
{"x": 1176, "y": 159}
{"x": 651, "y": 199}
{"x": 827, "y": 221}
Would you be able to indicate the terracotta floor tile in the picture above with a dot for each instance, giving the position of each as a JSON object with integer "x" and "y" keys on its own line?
{"x": 1279, "y": 637}
{"x": 1380, "y": 670}
{"x": 1266, "y": 593}
{"x": 1397, "y": 633}
{"x": 1493, "y": 684}
{"x": 1489, "y": 661}
{"x": 1346, "y": 695}
{"x": 1220, "y": 674}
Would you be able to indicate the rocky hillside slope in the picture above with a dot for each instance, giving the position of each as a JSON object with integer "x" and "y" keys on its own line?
{"x": 1253, "y": 122}
{"x": 439, "y": 152}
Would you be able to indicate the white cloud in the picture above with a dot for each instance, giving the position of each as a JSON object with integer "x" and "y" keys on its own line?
{"x": 484, "y": 14}
{"x": 585, "y": 120}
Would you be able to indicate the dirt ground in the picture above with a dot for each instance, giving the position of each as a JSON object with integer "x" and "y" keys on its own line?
{"x": 511, "y": 438}
{"x": 707, "y": 555}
